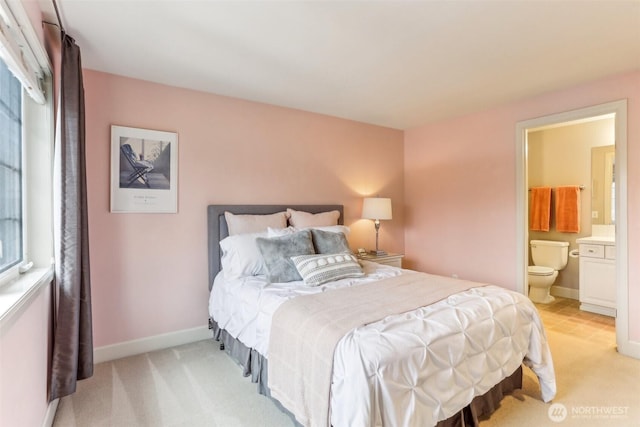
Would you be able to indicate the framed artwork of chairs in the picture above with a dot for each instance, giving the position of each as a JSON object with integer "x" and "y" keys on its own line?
{"x": 144, "y": 170}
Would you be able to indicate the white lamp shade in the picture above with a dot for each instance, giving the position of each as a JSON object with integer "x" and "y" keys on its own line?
{"x": 376, "y": 208}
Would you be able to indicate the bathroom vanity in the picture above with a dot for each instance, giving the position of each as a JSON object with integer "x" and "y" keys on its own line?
{"x": 598, "y": 274}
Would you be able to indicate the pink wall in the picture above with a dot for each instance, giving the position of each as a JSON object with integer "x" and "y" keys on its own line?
{"x": 24, "y": 363}
{"x": 149, "y": 271}
{"x": 35, "y": 16}
{"x": 460, "y": 195}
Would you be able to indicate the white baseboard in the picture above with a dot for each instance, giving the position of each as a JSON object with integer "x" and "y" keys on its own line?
{"x": 156, "y": 342}
{"x": 561, "y": 291}
{"x": 598, "y": 309}
{"x": 629, "y": 348}
{"x": 50, "y": 414}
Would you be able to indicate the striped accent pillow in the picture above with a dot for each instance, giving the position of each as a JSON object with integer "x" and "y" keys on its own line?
{"x": 322, "y": 268}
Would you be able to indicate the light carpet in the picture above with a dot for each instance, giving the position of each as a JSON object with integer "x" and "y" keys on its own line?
{"x": 199, "y": 385}
{"x": 190, "y": 385}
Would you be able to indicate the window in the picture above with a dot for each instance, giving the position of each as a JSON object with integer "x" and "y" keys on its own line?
{"x": 26, "y": 152}
{"x": 11, "y": 230}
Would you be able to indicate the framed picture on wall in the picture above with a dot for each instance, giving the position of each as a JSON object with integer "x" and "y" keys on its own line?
{"x": 144, "y": 170}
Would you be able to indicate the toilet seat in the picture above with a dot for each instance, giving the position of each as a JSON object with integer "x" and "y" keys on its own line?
{"x": 538, "y": 270}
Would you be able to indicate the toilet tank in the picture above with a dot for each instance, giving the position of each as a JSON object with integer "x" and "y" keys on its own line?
{"x": 550, "y": 253}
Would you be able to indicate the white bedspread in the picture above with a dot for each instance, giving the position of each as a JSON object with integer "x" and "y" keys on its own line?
{"x": 244, "y": 306}
{"x": 414, "y": 368}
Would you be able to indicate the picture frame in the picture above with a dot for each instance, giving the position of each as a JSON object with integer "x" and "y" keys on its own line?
{"x": 144, "y": 170}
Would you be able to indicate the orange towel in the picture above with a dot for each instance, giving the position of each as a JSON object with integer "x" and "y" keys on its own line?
{"x": 540, "y": 209}
{"x": 568, "y": 209}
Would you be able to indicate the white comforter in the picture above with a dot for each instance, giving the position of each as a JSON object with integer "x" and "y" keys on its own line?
{"x": 414, "y": 368}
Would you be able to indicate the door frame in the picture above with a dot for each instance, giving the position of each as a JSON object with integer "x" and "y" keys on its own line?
{"x": 619, "y": 110}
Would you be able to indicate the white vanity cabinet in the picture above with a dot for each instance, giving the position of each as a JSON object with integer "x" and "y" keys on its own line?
{"x": 597, "y": 275}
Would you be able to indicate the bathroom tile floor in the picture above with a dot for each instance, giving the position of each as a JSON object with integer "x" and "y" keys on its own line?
{"x": 564, "y": 316}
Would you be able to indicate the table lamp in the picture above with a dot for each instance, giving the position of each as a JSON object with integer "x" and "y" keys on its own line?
{"x": 376, "y": 208}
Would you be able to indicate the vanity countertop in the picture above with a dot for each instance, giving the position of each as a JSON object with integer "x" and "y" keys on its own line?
{"x": 597, "y": 240}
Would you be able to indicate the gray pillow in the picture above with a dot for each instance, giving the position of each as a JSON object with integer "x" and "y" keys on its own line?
{"x": 327, "y": 242}
{"x": 277, "y": 253}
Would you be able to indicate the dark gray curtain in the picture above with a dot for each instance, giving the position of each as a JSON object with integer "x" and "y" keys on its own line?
{"x": 72, "y": 358}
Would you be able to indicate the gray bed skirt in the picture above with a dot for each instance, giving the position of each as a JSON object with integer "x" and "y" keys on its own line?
{"x": 255, "y": 365}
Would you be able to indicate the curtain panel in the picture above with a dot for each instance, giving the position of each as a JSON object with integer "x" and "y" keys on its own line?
{"x": 72, "y": 358}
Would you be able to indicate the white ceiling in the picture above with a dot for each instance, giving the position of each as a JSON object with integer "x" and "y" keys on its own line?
{"x": 399, "y": 64}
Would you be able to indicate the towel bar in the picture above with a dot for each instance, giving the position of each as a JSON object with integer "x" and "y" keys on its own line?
{"x": 581, "y": 187}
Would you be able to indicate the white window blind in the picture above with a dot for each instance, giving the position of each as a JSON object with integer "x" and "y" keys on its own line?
{"x": 18, "y": 54}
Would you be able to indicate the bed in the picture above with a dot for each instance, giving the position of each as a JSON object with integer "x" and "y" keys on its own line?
{"x": 448, "y": 363}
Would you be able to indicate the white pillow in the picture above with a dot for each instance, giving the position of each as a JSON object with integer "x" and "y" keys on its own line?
{"x": 242, "y": 224}
{"x": 277, "y": 232}
{"x": 318, "y": 269}
{"x": 241, "y": 256}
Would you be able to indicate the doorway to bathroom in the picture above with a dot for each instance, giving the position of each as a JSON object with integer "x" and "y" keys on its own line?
{"x": 544, "y": 142}
{"x": 563, "y": 155}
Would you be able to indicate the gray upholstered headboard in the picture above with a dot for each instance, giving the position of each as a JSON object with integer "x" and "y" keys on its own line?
{"x": 217, "y": 225}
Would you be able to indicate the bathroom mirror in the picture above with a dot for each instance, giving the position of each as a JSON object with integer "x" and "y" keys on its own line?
{"x": 603, "y": 160}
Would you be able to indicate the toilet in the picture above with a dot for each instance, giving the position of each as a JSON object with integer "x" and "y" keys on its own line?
{"x": 549, "y": 257}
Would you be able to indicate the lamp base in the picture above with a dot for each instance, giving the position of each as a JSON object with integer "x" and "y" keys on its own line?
{"x": 378, "y": 253}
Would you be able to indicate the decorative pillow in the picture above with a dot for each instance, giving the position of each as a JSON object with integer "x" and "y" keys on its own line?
{"x": 335, "y": 229}
{"x": 242, "y": 224}
{"x": 318, "y": 269}
{"x": 241, "y": 256}
{"x": 274, "y": 232}
{"x": 300, "y": 219}
{"x": 327, "y": 242}
{"x": 277, "y": 253}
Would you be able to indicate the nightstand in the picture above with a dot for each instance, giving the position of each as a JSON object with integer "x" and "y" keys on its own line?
{"x": 394, "y": 260}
